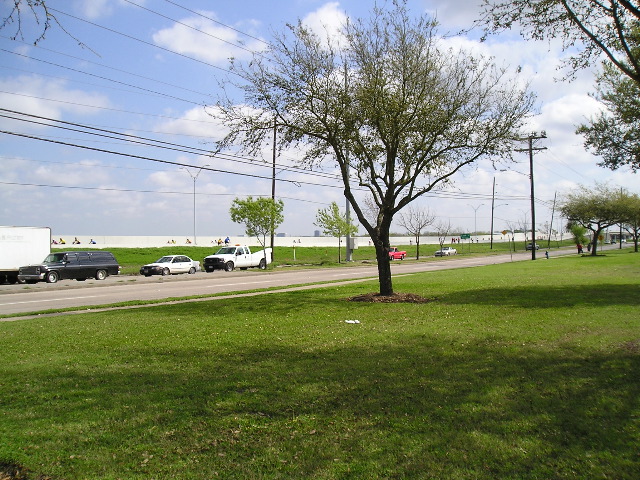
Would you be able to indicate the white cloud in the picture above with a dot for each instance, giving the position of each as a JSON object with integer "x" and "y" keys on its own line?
{"x": 326, "y": 21}
{"x": 217, "y": 45}
{"x": 96, "y": 9}
{"x": 35, "y": 95}
{"x": 197, "y": 122}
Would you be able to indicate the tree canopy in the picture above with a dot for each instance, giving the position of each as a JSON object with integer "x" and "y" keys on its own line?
{"x": 593, "y": 208}
{"x": 591, "y": 30}
{"x": 261, "y": 216}
{"x": 333, "y": 222}
{"x": 614, "y": 133}
{"x": 587, "y": 28}
{"x": 630, "y": 213}
{"x": 399, "y": 113}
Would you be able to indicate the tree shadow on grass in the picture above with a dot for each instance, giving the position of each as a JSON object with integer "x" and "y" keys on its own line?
{"x": 550, "y": 296}
{"x": 421, "y": 408}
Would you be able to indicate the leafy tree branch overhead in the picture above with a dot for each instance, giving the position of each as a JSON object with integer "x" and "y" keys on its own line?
{"x": 590, "y": 30}
{"x": 398, "y": 112}
{"x": 587, "y": 28}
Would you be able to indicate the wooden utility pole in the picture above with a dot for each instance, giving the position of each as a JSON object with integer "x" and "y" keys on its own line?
{"x": 531, "y": 149}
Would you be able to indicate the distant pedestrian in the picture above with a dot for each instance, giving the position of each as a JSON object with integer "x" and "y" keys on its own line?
{"x": 546, "y": 254}
{"x": 579, "y": 247}
{"x": 226, "y": 241}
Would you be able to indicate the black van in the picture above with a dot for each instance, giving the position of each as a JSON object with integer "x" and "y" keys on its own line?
{"x": 71, "y": 265}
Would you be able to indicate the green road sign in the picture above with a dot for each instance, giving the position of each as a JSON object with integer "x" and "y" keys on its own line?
{"x": 465, "y": 236}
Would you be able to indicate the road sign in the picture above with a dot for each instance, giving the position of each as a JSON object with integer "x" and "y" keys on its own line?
{"x": 465, "y": 236}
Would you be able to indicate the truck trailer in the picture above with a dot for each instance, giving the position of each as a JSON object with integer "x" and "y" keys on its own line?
{"x": 21, "y": 246}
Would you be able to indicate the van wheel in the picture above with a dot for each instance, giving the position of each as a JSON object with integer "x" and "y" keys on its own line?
{"x": 101, "y": 274}
{"x": 52, "y": 277}
{"x": 229, "y": 266}
{"x": 262, "y": 265}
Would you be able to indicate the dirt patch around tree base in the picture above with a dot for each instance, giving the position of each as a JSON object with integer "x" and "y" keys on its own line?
{"x": 395, "y": 298}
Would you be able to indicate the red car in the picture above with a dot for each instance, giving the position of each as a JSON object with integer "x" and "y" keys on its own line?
{"x": 395, "y": 254}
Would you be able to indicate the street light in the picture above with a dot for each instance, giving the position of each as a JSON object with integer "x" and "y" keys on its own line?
{"x": 493, "y": 207}
{"x": 194, "y": 177}
{"x": 475, "y": 217}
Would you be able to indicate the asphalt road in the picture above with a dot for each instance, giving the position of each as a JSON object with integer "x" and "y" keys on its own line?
{"x": 20, "y": 299}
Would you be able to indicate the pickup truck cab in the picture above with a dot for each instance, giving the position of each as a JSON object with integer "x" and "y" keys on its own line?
{"x": 237, "y": 256}
{"x": 396, "y": 254}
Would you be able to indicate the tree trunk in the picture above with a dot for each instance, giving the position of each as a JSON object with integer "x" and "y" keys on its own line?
{"x": 384, "y": 269}
{"x": 594, "y": 246}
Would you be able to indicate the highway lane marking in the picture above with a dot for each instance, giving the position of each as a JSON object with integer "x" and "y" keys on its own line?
{"x": 50, "y": 300}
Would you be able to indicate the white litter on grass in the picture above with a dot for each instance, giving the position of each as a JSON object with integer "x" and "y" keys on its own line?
{"x": 352, "y": 321}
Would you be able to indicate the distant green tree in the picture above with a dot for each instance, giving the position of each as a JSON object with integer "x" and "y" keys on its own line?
{"x": 261, "y": 216}
{"x": 333, "y": 222}
{"x": 630, "y": 211}
{"x": 594, "y": 209}
{"x": 578, "y": 231}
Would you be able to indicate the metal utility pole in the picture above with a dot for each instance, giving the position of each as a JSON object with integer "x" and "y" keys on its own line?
{"x": 531, "y": 149}
{"x": 493, "y": 203}
{"x": 273, "y": 182}
{"x": 493, "y": 206}
{"x": 346, "y": 161}
{"x": 553, "y": 212}
{"x": 194, "y": 177}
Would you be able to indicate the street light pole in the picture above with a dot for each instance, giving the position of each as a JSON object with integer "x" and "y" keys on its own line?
{"x": 194, "y": 177}
{"x": 475, "y": 222}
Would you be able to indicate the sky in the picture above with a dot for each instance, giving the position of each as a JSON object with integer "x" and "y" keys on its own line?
{"x": 152, "y": 70}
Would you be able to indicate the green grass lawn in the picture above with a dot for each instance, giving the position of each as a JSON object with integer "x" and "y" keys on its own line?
{"x": 527, "y": 370}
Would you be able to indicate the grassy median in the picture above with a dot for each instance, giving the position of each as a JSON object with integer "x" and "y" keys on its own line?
{"x": 527, "y": 370}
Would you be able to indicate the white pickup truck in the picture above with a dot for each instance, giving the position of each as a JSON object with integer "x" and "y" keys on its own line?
{"x": 238, "y": 256}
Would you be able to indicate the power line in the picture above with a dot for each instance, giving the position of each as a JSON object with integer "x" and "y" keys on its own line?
{"x": 131, "y": 190}
{"x": 131, "y": 37}
{"x": 129, "y": 138}
{"x": 161, "y": 94}
{"x": 218, "y": 22}
{"x": 168, "y": 162}
{"x": 84, "y": 60}
{"x": 191, "y": 27}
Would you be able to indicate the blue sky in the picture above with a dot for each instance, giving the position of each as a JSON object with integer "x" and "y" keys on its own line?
{"x": 150, "y": 68}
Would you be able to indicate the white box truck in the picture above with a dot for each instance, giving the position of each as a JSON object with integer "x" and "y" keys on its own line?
{"x": 20, "y": 246}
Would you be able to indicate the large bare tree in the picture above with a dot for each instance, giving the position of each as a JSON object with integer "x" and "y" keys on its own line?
{"x": 415, "y": 220}
{"x": 399, "y": 113}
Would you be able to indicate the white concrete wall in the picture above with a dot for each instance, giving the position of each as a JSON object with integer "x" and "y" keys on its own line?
{"x": 163, "y": 241}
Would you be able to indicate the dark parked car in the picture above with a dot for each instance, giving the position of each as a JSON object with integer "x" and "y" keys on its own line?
{"x": 530, "y": 246}
{"x": 71, "y": 265}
